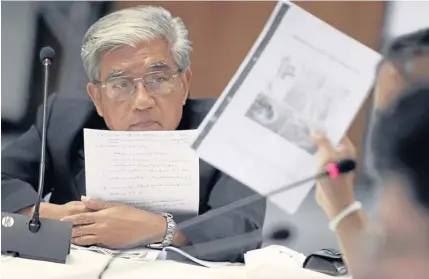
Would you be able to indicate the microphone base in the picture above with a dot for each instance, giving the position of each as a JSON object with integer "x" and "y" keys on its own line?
{"x": 50, "y": 243}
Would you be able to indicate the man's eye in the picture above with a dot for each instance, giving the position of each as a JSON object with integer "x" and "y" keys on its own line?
{"x": 121, "y": 85}
{"x": 158, "y": 79}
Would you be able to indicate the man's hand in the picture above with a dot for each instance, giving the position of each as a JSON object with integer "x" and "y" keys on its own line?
{"x": 115, "y": 225}
{"x": 333, "y": 195}
{"x": 56, "y": 211}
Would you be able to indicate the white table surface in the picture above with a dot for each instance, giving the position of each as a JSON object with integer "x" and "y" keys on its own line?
{"x": 86, "y": 264}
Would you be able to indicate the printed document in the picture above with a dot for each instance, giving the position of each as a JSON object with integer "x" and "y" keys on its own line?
{"x": 301, "y": 75}
{"x": 156, "y": 171}
{"x": 148, "y": 254}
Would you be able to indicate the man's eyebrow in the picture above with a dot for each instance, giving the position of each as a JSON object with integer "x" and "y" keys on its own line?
{"x": 116, "y": 73}
{"x": 158, "y": 66}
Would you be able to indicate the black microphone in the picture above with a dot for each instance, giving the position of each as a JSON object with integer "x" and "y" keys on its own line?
{"x": 38, "y": 238}
{"x": 47, "y": 54}
{"x": 280, "y": 234}
{"x": 332, "y": 171}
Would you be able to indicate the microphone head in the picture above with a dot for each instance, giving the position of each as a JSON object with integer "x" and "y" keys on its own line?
{"x": 346, "y": 165}
{"x": 333, "y": 170}
{"x": 47, "y": 53}
{"x": 280, "y": 234}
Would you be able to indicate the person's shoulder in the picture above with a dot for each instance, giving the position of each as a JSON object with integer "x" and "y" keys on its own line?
{"x": 69, "y": 109}
{"x": 70, "y": 104}
{"x": 76, "y": 101}
{"x": 194, "y": 111}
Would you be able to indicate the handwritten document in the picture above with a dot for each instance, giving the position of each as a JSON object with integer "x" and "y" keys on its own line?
{"x": 155, "y": 171}
{"x": 301, "y": 75}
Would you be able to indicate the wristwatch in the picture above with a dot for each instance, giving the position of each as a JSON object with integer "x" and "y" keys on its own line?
{"x": 169, "y": 233}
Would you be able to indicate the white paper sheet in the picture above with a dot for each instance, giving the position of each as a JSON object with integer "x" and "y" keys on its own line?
{"x": 208, "y": 264}
{"x": 147, "y": 254}
{"x": 274, "y": 254}
{"x": 155, "y": 171}
{"x": 301, "y": 74}
{"x": 141, "y": 254}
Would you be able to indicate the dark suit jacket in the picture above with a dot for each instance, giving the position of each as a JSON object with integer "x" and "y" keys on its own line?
{"x": 67, "y": 116}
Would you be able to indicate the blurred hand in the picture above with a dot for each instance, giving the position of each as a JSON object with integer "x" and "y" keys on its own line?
{"x": 114, "y": 225}
{"x": 57, "y": 211}
{"x": 333, "y": 195}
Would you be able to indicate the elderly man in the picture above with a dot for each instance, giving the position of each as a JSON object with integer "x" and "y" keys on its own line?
{"x": 398, "y": 137}
{"x": 138, "y": 64}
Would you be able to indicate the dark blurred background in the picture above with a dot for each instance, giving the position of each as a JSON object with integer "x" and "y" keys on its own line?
{"x": 27, "y": 27}
{"x": 222, "y": 34}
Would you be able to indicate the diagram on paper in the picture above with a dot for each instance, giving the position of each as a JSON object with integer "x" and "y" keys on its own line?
{"x": 297, "y": 100}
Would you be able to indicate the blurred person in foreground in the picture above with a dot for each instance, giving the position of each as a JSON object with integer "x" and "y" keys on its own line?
{"x": 401, "y": 163}
{"x": 138, "y": 64}
{"x": 405, "y": 62}
{"x": 398, "y": 140}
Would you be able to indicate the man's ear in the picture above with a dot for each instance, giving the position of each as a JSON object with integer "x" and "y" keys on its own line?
{"x": 94, "y": 93}
{"x": 186, "y": 83}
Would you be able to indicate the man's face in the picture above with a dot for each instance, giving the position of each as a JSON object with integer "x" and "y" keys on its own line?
{"x": 144, "y": 109}
{"x": 404, "y": 252}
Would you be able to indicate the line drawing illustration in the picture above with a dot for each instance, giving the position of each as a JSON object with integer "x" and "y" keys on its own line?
{"x": 298, "y": 99}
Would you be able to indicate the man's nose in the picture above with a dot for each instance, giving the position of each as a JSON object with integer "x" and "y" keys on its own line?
{"x": 142, "y": 98}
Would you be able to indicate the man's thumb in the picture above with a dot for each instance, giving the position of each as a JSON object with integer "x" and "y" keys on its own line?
{"x": 94, "y": 204}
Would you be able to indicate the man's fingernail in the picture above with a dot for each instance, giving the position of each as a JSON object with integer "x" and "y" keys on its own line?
{"x": 84, "y": 198}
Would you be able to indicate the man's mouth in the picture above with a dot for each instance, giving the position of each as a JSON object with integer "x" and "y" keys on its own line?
{"x": 144, "y": 125}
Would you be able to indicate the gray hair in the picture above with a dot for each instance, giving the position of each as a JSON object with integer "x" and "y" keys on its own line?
{"x": 129, "y": 27}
